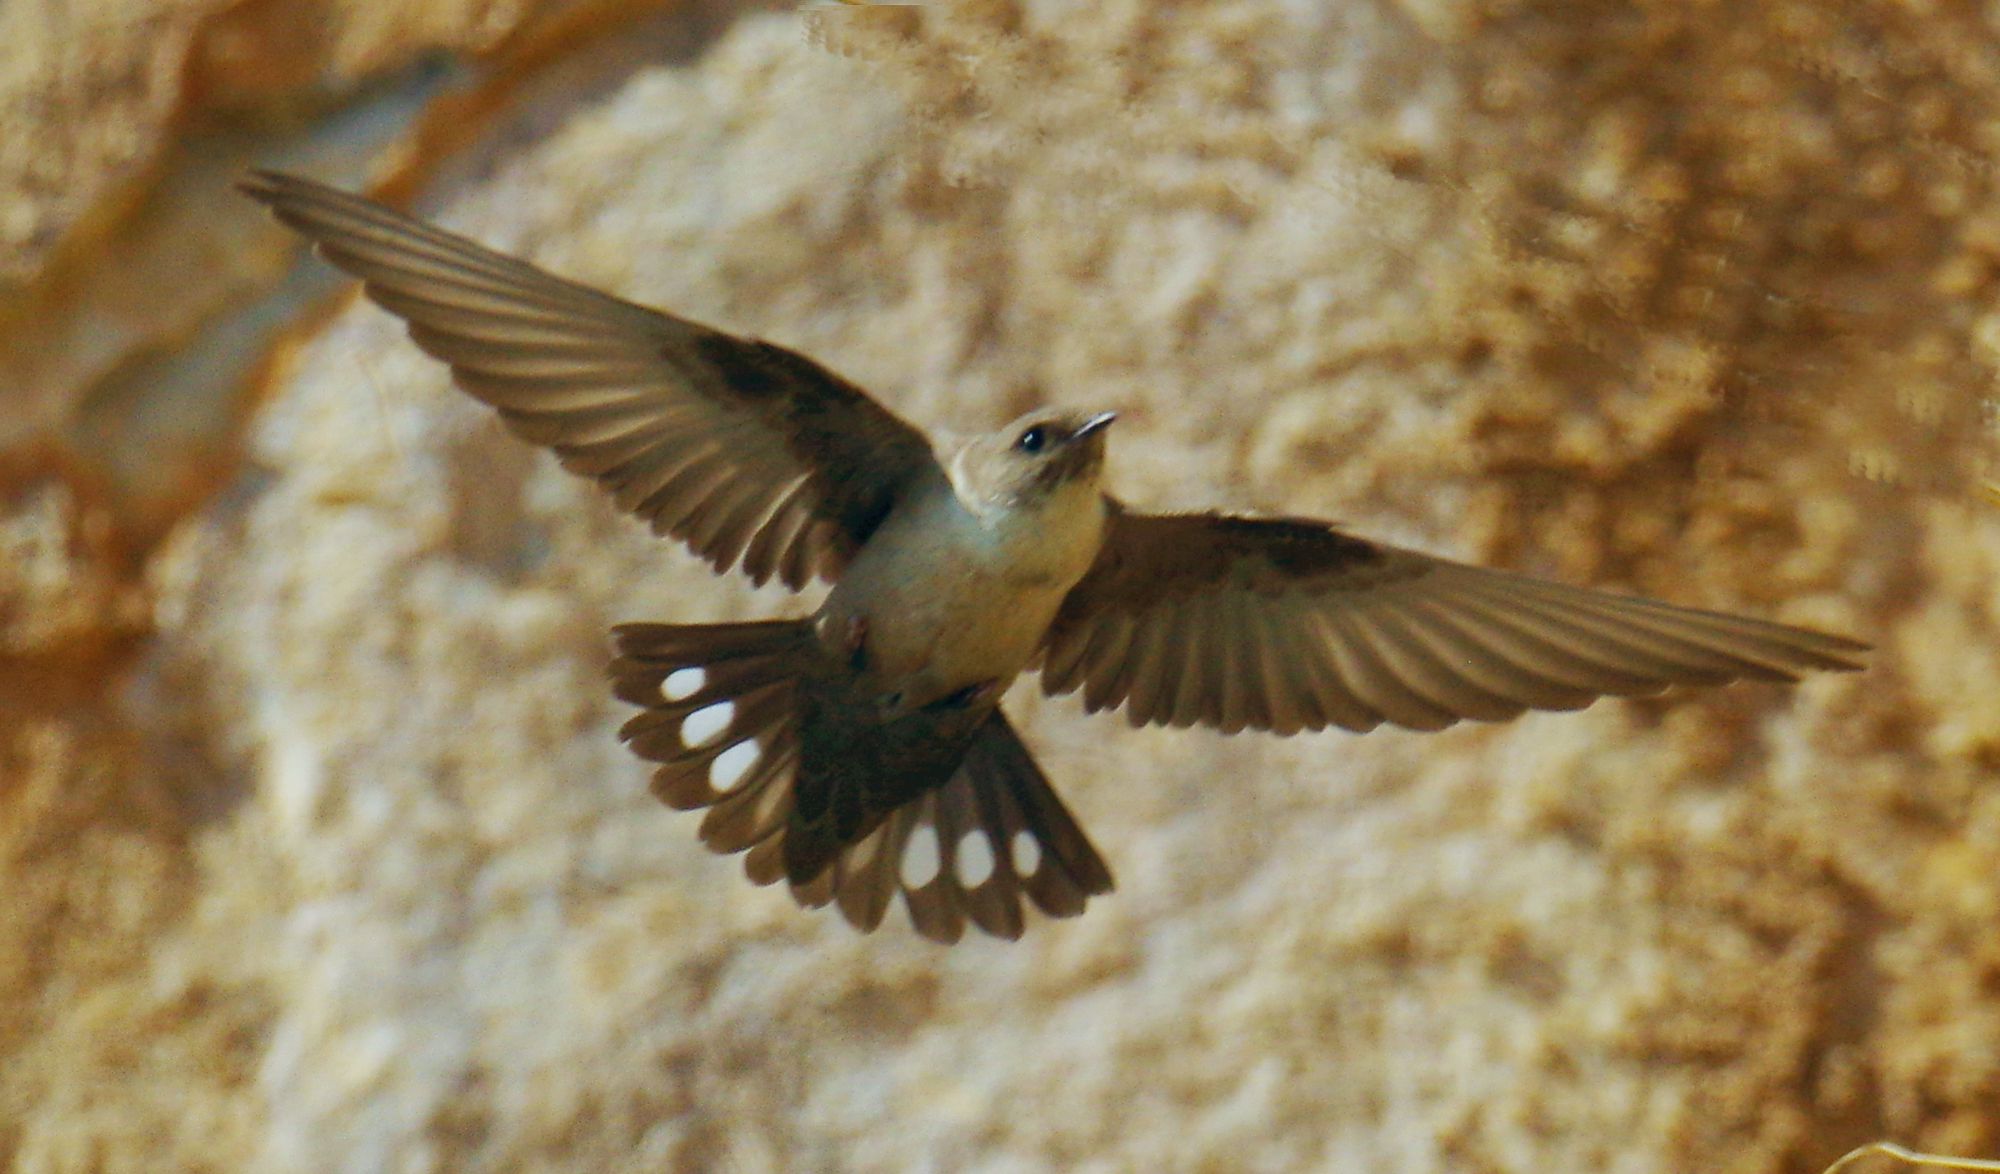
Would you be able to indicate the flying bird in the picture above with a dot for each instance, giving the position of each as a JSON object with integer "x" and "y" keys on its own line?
{"x": 861, "y": 752}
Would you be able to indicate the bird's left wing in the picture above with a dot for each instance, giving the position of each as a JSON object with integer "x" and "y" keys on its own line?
{"x": 1285, "y": 624}
{"x": 742, "y": 449}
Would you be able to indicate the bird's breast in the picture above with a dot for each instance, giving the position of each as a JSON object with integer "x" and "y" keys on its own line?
{"x": 944, "y": 600}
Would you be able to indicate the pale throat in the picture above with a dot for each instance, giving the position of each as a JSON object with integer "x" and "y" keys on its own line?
{"x": 1048, "y": 538}
{"x": 956, "y": 591}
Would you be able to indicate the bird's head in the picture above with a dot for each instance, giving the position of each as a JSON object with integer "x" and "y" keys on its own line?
{"x": 1029, "y": 461}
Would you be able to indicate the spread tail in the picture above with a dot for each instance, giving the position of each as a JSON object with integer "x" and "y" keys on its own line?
{"x": 970, "y": 850}
{"x": 721, "y": 715}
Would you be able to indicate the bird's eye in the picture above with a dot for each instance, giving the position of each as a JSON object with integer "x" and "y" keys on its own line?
{"x": 1033, "y": 439}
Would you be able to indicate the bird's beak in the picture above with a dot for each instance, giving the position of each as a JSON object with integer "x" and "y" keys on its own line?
{"x": 1096, "y": 423}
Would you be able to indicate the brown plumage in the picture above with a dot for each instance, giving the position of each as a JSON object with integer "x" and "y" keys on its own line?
{"x": 860, "y": 753}
{"x": 1323, "y": 629}
{"x": 739, "y": 448}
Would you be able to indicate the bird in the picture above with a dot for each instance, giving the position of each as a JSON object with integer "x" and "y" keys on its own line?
{"x": 860, "y": 753}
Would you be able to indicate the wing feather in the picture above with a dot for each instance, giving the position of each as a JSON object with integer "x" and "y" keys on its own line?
{"x": 1286, "y": 624}
{"x": 1312, "y": 659}
{"x": 1359, "y": 650}
{"x": 1233, "y": 673}
{"x": 1189, "y": 688}
{"x": 1483, "y": 657}
{"x": 1109, "y": 647}
{"x": 697, "y": 431}
{"x": 1446, "y": 680}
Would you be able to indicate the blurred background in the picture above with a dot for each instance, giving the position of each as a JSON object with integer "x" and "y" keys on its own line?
{"x": 318, "y": 850}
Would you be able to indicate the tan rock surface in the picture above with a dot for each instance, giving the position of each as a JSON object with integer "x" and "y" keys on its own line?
{"x": 347, "y": 870}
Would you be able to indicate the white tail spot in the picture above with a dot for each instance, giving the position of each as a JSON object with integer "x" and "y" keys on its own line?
{"x": 707, "y": 724}
{"x": 732, "y": 764}
{"x": 974, "y": 860}
{"x": 1027, "y": 854}
{"x": 920, "y": 858}
{"x": 682, "y": 684}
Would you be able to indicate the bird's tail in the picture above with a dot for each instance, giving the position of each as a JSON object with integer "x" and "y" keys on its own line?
{"x": 971, "y": 850}
{"x": 720, "y": 716}
{"x": 721, "y": 713}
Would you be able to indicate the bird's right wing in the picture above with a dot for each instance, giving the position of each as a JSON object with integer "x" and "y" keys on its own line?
{"x": 742, "y": 449}
{"x": 1284, "y": 624}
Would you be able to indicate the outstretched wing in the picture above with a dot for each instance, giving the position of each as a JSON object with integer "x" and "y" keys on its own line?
{"x": 1286, "y": 624}
{"x": 742, "y": 449}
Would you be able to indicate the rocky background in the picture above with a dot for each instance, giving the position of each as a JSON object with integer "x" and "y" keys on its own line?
{"x": 317, "y": 847}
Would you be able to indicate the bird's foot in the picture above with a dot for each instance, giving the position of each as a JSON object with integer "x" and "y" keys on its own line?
{"x": 855, "y": 643}
{"x": 974, "y": 694}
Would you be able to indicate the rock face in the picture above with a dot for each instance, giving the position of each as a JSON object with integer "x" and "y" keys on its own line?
{"x": 320, "y": 851}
